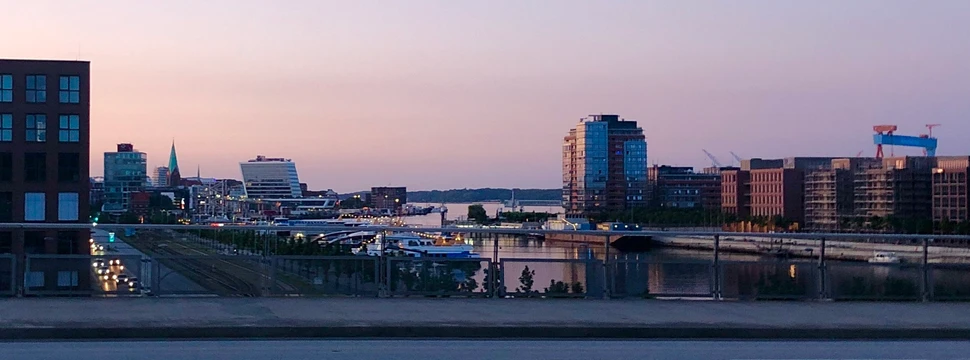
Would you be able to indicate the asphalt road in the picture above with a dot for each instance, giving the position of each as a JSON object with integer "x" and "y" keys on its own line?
{"x": 468, "y": 350}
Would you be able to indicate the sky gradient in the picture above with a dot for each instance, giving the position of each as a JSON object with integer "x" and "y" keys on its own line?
{"x": 453, "y": 94}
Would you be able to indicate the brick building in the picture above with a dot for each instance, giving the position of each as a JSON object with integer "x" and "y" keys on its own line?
{"x": 44, "y": 162}
{"x": 951, "y": 180}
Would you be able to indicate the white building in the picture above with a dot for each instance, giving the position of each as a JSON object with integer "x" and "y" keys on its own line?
{"x": 160, "y": 177}
{"x": 270, "y": 178}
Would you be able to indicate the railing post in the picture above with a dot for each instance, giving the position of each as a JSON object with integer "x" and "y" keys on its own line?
{"x": 717, "y": 267}
{"x": 925, "y": 283}
{"x": 493, "y": 268}
{"x": 606, "y": 268}
{"x": 821, "y": 269}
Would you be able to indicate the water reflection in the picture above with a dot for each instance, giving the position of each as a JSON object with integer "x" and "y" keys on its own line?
{"x": 682, "y": 272}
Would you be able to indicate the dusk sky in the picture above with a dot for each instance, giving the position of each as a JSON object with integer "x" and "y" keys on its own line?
{"x": 454, "y": 94}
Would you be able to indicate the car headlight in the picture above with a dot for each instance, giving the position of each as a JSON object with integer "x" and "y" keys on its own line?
{"x": 122, "y": 267}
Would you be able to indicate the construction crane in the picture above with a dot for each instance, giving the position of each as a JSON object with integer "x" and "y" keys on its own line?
{"x": 714, "y": 161}
{"x": 885, "y": 135}
{"x": 736, "y": 157}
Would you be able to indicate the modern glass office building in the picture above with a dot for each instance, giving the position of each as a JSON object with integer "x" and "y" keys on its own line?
{"x": 604, "y": 166}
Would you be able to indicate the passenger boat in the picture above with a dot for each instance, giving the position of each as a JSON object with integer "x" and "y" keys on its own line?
{"x": 410, "y": 244}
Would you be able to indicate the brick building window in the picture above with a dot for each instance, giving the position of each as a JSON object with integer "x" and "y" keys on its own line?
{"x": 6, "y": 127}
{"x": 6, "y": 242}
{"x": 6, "y": 167}
{"x": 35, "y": 167}
{"x": 67, "y": 206}
{"x": 34, "y": 242}
{"x": 36, "y": 128}
{"x": 35, "y": 206}
{"x": 66, "y": 241}
{"x": 70, "y": 89}
{"x": 6, "y": 206}
{"x": 68, "y": 167}
{"x": 69, "y": 128}
{"x": 6, "y": 88}
{"x": 36, "y": 88}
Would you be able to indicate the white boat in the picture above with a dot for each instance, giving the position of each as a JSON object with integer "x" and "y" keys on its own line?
{"x": 883, "y": 257}
{"x": 410, "y": 244}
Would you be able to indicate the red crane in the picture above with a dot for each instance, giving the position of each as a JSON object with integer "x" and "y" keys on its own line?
{"x": 883, "y": 129}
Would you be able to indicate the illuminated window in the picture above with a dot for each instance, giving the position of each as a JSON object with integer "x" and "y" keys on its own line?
{"x": 36, "y": 128}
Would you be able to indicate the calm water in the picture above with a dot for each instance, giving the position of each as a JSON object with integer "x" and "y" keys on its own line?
{"x": 671, "y": 271}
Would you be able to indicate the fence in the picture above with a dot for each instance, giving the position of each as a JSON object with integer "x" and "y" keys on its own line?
{"x": 252, "y": 261}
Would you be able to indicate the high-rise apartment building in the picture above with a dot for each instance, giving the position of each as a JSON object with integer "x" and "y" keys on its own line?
{"x": 604, "y": 166}
{"x": 951, "y": 182}
{"x": 160, "y": 177}
{"x": 44, "y": 161}
{"x": 681, "y": 187}
{"x": 125, "y": 173}
{"x": 270, "y": 178}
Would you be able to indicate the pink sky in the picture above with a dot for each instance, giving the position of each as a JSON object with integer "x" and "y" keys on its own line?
{"x": 452, "y": 94}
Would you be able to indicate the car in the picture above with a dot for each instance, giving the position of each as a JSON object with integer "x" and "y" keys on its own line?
{"x": 103, "y": 270}
{"x": 97, "y": 263}
{"x": 133, "y": 282}
{"x": 121, "y": 279}
{"x": 114, "y": 262}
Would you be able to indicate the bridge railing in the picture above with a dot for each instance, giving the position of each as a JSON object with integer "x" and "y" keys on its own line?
{"x": 260, "y": 261}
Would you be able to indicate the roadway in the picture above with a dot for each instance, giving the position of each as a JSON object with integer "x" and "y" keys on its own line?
{"x": 484, "y": 349}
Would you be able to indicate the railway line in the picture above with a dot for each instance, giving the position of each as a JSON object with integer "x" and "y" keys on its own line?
{"x": 207, "y": 272}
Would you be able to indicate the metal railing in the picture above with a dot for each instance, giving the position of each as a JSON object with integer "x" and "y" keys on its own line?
{"x": 187, "y": 260}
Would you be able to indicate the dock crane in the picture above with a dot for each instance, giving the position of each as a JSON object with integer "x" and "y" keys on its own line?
{"x": 885, "y": 135}
{"x": 714, "y": 160}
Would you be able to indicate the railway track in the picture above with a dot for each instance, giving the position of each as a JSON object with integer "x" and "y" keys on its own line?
{"x": 207, "y": 273}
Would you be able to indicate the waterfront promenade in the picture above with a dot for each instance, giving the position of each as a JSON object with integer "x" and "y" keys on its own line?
{"x": 171, "y": 318}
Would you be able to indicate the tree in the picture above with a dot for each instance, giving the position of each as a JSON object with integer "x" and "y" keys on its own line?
{"x": 352, "y": 203}
{"x": 527, "y": 279}
{"x": 477, "y": 212}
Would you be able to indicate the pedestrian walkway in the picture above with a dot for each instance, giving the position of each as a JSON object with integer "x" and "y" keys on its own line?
{"x": 22, "y": 318}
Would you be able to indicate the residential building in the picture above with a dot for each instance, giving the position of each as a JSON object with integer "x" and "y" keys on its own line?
{"x": 44, "y": 162}
{"x": 391, "y": 198}
{"x": 777, "y": 192}
{"x": 96, "y": 190}
{"x": 769, "y": 187}
{"x": 161, "y": 177}
{"x": 830, "y": 194}
{"x": 604, "y": 166}
{"x": 125, "y": 172}
{"x": 951, "y": 180}
{"x": 901, "y": 187}
{"x": 735, "y": 192}
{"x": 270, "y": 178}
{"x": 681, "y": 187}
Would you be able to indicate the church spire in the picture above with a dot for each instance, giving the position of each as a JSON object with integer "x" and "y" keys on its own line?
{"x": 175, "y": 178}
